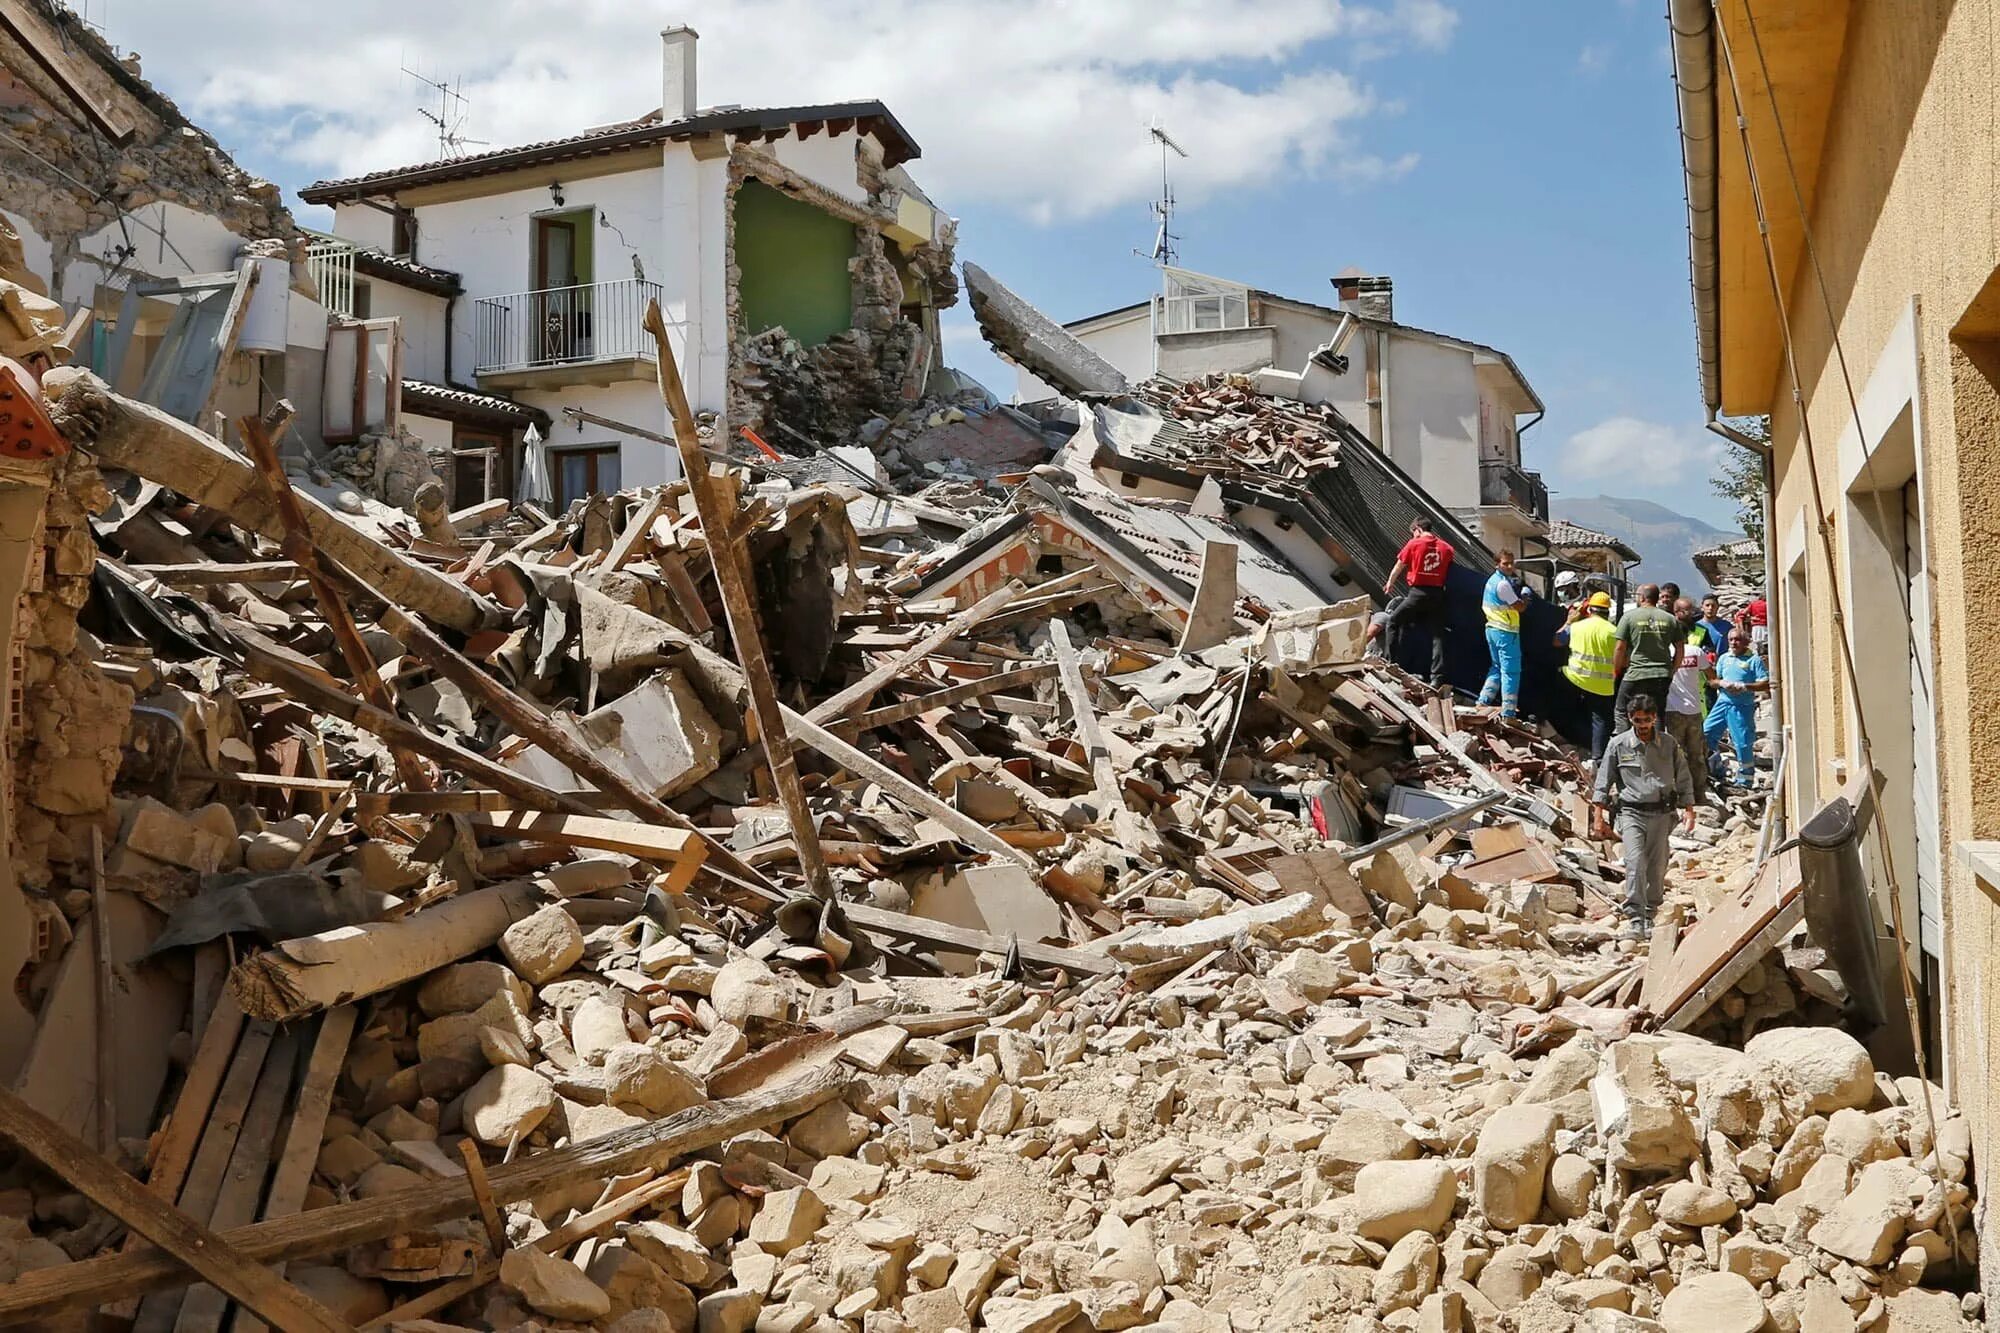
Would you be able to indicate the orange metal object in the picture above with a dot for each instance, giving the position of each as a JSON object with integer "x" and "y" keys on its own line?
{"x": 25, "y": 428}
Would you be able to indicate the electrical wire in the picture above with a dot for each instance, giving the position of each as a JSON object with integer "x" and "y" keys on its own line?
{"x": 1825, "y": 533}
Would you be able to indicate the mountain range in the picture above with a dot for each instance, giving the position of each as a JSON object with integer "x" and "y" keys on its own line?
{"x": 1664, "y": 538}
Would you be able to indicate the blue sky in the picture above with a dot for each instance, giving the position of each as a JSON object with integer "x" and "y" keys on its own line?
{"x": 1513, "y": 164}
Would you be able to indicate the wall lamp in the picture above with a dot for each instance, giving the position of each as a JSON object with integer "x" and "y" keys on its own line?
{"x": 555, "y": 192}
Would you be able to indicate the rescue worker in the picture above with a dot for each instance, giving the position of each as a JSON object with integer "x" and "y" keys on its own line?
{"x": 1592, "y": 641}
{"x": 1425, "y": 563}
{"x": 1687, "y": 697}
{"x": 1740, "y": 676}
{"x": 1649, "y": 641}
{"x": 1645, "y": 776}
{"x": 1502, "y": 605}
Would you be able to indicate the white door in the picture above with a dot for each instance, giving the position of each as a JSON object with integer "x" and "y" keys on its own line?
{"x": 1923, "y": 748}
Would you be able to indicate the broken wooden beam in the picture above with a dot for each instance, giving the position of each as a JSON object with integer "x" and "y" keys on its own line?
{"x": 714, "y": 494}
{"x": 297, "y": 977}
{"x": 966, "y": 828}
{"x": 180, "y": 1239}
{"x": 861, "y": 691}
{"x": 949, "y": 696}
{"x": 530, "y": 722}
{"x": 298, "y": 544}
{"x": 678, "y": 850}
{"x": 141, "y": 439}
{"x": 1103, "y": 776}
{"x": 962, "y": 939}
{"x": 89, "y": 1282}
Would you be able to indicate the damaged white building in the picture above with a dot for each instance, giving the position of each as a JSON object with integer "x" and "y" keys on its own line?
{"x": 1446, "y": 410}
{"x": 798, "y": 268}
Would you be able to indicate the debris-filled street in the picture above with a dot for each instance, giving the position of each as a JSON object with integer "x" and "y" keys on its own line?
{"x": 860, "y": 855}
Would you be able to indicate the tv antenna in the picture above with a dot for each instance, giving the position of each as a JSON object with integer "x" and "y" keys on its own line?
{"x": 449, "y": 118}
{"x": 1164, "y": 254}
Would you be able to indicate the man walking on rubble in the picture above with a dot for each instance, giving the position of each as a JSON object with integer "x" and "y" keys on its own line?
{"x": 1645, "y": 776}
{"x": 1592, "y": 641}
{"x": 1649, "y": 641}
{"x": 1425, "y": 563}
{"x": 1502, "y": 603}
{"x": 1740, "y": 676}
{"x": 1687, "y": 697}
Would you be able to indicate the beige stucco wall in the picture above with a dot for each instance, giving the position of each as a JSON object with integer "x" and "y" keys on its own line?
{"x": 1905, "y": 224}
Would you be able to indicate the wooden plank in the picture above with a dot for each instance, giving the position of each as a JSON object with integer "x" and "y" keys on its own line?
{"x": 173, "y": 1147}
{"x": 203, "y": 1183}
{"x": 664, "y": 846}
{"x": 529, "y": 721}
{"x": 203, "y": 574}
{"x": 102, "y": 975}
{"x": 1103, "y": 776}
{"x": 554, "y": 1242}
{"x": 950, "y": 696}
{"x": 1724, "y": 932}
{"x": 1759, "y": 947}
{"x": 282, "y": 781}
{"x": 960, "y": 939}
{"x": 861, "y": 691}
{"x": 243, "y": 1183}
{"x": 636, "y": 529}
{"x": 299, "y": 546}
{"x": 909, "y": 793}
{"x": 482, "y": 1194}
{"x": 283, "y": 1306}
{"x": 713, "y": 491}
{"x": 86, "y": 1283}
{"x": 296, "y": 1160}
{"x": 70, "y": 69}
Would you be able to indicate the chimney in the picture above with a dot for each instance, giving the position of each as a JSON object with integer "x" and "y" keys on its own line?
{"x": 677, "y": 72}
{"x": 1369, "y": 297}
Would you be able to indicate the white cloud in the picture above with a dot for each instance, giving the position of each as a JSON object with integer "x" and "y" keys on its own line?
{"x": 1640, "y": 453}
{"x": 1039, "y": 106}
{"x": 1594, "y": 59}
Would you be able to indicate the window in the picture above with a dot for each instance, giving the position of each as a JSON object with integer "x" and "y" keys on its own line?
{"x": 478, "y": 467}
{"x": 582, "y": 472}
{"x": 403, "y": 234}
{"x": 363, "y": 301}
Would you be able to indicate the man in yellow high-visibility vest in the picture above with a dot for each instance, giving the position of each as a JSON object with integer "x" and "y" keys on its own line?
{"x": 1592, "y": 641}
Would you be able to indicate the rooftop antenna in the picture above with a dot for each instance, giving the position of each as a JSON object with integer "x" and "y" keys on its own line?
{"x": 449, "y": 118}
{"x": 1164, "y": 254}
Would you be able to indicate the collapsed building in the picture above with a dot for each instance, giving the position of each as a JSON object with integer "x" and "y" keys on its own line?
{"x": 813, "y": 893}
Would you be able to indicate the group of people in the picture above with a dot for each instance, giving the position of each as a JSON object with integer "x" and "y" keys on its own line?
{"x": 1666, "y": 662}
{"x": 1663, "y": 686}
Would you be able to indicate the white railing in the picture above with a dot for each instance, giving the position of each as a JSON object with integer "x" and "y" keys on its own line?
{"x": 599, "y": 321}
{"x": 330, "y": 261}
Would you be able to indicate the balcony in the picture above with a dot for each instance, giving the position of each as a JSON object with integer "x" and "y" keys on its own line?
{"x": 589, "y": 334}
{"x": 1501, "y": 483}
{"x": 330, "y": 263}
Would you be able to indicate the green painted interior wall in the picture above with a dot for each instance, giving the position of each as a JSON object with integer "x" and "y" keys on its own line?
{"x": 793, "y": 260}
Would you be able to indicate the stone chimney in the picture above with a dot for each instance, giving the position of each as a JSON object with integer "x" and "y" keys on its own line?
{"x": 1369, "y": 297}
{"x": 677, "y": 72}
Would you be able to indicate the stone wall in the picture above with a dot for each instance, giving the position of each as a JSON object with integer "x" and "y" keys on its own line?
{"x": 67, "y": 181}
{"x": 826, "y": 392}
{"x": 70, "y": 732}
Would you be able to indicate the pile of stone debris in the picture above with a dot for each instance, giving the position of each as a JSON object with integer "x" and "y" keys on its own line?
{"x": 1024, "y": 976}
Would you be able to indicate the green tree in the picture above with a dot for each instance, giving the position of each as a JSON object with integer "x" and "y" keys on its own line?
{"x": 1740, "y": 477}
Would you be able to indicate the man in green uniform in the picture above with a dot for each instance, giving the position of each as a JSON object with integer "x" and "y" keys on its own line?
{"x": 1649, "y": 646}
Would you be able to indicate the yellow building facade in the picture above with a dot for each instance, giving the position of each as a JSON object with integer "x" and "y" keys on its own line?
{"x": 1868, "y": 199}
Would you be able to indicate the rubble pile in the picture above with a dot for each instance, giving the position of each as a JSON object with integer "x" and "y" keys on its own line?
{"x": 1035, "y": 971}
